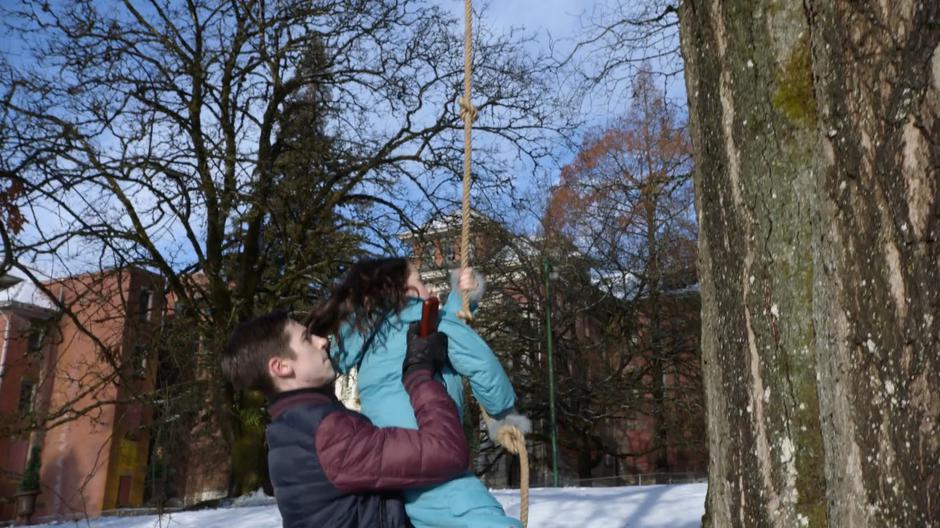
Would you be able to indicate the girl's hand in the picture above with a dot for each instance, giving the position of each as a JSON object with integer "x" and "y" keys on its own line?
{"x": 468, "y": 280}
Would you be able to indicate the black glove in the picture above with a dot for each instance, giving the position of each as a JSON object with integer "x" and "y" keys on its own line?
{"x": 428, "y": 353}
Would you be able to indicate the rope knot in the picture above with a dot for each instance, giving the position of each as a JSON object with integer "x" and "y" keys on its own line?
{"x": 511, "y": 438}
{"x": 468, "y": 112}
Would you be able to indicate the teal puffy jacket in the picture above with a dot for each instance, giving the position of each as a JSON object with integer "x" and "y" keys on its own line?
{"x": 463, "y": 502}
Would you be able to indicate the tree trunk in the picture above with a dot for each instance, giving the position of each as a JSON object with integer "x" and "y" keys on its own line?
{"x": 815, "y": 131}
{"x": 656, "y": 353}
{"x": 877, "y": 69}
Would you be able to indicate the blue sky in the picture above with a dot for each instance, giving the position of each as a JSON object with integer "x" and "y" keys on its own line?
{"x": 560, "y": 23}
{"x": 562, "y": 18}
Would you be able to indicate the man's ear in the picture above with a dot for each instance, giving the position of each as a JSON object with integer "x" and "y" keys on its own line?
{"x": 280, "y": 367}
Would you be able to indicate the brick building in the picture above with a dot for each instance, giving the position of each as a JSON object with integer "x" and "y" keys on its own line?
{"x": 679, "y": 424}
{"x": 78, "y": 374}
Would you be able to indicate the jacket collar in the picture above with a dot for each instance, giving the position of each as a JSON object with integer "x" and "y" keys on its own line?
{"x": 352, "y": 341}
{"x": 412, "y": 310}
{"x": 282, "y": 401}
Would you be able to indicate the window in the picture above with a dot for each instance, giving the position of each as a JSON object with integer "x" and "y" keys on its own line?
{"x": 132, "y": 420}
{"x": 145, "y": 304}
{"x": 26, "y": 396}
{"x": 608, "y": 461}
{"x": 37, "y": 335}
{"x": 124, "y": 491}
{"x": 453, "y": 254}
{"x": 437, "y": 256}
{"x": 140, "y": 362}
{"x": 428, "y": 254}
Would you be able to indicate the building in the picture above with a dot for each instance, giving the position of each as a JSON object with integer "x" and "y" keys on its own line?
{"x": 23, "y": 314}
{"x": 115, "y": 439}
{"x": 191, "y": 457}
{"x": 639, "y": 437}
{"x": 663, "y": 442}
{"x": 80, "y": 372}
{"x": 435, "y": 247}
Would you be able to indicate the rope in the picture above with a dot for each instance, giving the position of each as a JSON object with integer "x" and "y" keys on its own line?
{"x": 469, "y": 114}
{"x": 512, "y": 439}
{"x": 509, "y": 437}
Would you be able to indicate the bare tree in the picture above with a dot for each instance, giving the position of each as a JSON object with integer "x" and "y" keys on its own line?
{"x": 243, "y": 150}
{"x": 619, "y": 41}
{"x": 626, "y": 201}
{"x": 604, "y": 365}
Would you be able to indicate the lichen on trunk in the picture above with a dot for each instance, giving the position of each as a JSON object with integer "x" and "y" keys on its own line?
{"x": 815, "y": 130}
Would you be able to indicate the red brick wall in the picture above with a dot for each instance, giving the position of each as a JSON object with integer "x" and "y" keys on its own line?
{"x": 85, "y": 457}
{"x": 17, "y": 367}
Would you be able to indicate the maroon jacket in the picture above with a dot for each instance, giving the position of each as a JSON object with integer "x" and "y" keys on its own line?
{"x": 331, "y": 467}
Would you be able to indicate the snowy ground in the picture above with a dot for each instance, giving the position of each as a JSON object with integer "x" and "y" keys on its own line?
{"x": 678, "y": 506}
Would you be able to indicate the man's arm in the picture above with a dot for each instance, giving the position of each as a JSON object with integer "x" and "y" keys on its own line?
{"x": 357, "y": 456}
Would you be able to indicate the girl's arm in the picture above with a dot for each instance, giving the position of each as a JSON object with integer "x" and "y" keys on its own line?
{"x": 472, "y": 358}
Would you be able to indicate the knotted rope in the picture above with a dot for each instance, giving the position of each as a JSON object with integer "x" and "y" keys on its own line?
{"x": 509, "y": 436}
{"x": 513, "y": 440}
{"x": 469, "y": 114}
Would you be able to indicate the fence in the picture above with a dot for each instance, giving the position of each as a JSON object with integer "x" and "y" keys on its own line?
{"x": 542, "y": 480}
{"x": 641, "y": 479}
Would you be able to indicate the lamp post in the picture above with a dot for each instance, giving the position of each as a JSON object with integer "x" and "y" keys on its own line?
{"x": 549, "y": 275}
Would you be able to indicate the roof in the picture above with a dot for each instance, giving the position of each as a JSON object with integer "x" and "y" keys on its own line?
{"x": 623, "y": 285}
{"x": 443, "y": 224}
{"x": 7, "y": 281}
{"x": 24, "y": 295}
{"x": 626, "y": 285}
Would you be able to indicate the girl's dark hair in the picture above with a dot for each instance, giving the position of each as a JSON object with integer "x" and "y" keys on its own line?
{"x": 369, "y": 291}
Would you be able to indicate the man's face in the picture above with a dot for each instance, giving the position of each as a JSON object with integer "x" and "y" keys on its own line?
{"x": 312, "y": 366}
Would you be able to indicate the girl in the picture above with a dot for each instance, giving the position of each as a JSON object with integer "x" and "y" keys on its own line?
{"x": 371, "y": 311}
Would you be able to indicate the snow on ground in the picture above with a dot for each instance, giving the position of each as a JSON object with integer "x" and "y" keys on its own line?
{"x": 676, "y": 506}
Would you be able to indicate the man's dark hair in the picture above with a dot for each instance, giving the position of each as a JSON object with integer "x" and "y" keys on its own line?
{"x": 252, "y": 344}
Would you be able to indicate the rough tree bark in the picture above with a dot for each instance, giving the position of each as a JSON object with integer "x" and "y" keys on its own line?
{"x": 816, "y": 128}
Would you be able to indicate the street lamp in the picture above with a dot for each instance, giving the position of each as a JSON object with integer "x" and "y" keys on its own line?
{"x": 549, "y": 277}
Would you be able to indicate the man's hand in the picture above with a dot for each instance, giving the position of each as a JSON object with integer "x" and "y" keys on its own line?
{"x": 424, "y": 353}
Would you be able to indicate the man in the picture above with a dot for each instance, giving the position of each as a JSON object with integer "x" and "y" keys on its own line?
{"x": 330, "y": 466}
